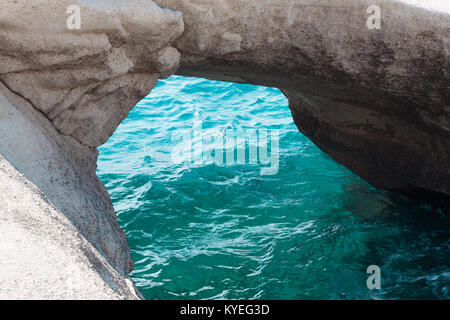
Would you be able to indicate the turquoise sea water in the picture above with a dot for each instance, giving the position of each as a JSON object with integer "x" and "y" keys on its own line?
{"x": 208, "y": 231}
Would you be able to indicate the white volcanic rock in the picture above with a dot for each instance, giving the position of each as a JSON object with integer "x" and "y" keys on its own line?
{"x": 86, "y": 81}
{"x": 43, "y": 255}
{"x": 62, "y": 93}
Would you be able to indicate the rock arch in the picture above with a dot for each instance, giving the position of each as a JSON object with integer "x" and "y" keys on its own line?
{"x": 376, "y": 100}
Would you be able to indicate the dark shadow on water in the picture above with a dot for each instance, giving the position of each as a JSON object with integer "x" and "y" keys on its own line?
{"x": 408, "y": 237}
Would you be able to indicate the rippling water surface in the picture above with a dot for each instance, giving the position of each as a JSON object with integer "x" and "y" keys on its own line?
{"x": 205, "y": 231}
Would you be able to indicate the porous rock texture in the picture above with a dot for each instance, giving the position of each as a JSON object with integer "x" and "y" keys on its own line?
{"x": 376, "y": 100}
{"x": 43, "y": 255}
{"x": 62, "y": 93}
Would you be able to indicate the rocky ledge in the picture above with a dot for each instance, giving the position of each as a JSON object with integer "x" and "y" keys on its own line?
{"x": 375, "y": 99}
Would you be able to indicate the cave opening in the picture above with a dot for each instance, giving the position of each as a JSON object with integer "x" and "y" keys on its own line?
{"x": 208, "y": 216}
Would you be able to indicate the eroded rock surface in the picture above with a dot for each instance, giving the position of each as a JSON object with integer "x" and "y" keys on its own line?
{"x": 375, "y": 100}
{"x": 62, "y": 93}
{"x": 86, "y": 81}
{"x": 43, "y": 255}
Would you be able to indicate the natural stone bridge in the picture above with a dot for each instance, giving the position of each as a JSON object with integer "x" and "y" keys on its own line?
{"x": 376, "y": 100}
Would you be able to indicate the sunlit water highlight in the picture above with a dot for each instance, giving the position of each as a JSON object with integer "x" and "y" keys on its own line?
{"x": 203, "y": 231}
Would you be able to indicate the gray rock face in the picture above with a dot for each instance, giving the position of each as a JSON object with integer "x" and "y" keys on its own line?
{"x": 64, "y": 170}
{"x": 43, "y": 254}
{"x": 86, "y": 81}
{"x": 62, "y": 93}
{"x": 376, "y": 100}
